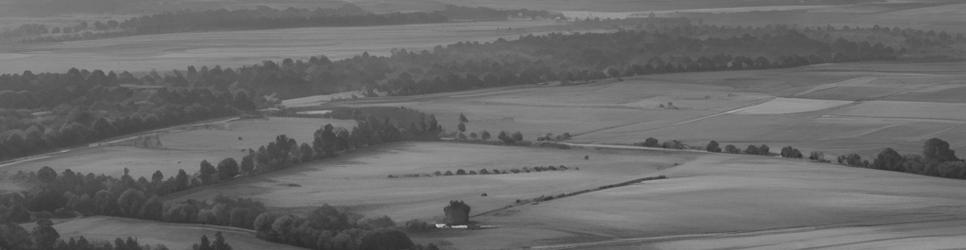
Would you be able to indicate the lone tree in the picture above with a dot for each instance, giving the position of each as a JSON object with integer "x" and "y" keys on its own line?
{"x": 713, "y": 147}
{"x": 651, "y": 142}
{"x": 457, "y": 213}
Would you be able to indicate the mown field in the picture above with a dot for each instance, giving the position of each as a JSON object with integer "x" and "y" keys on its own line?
{"x": 835, "y": 108}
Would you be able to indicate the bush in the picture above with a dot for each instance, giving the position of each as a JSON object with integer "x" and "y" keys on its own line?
{"x": 790, "y": 152}
{"x": 650, "y": 142}
{"x": 731, "y": 149}
{"x": 752, "y": 150}
{"x": 461, "y": 172}
{"x": 713, "y": 147}
{"x": 817, "y": 156}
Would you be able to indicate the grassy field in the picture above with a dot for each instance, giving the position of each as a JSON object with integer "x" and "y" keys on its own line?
{"x": 182, "y": 149}
{"x": 172, "y": 235}
{"x": 706, "y": 201}
{"x": 837, "y": 108}
{"x": 238, "y": 48}
{"x": 360, "y": 180}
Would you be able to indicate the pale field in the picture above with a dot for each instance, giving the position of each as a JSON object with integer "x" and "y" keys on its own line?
{"x": 181, "y": 149}
{"x": 707, "y": 202}
{"x": 360, "y": 181}
{"x": 238, "y": 48}
{"x": 172, "y": 235}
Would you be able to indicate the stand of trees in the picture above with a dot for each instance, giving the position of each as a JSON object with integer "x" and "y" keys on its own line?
{"x": 937, "y": 159}
{"x": 43, "y": 112}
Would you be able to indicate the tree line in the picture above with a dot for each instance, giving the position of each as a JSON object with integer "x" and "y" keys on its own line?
{"x": 936, "y": 159}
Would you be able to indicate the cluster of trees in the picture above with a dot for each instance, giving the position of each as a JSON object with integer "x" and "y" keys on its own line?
{"x": 484, "y": 171}
{"x": 937, "y": 159}
{"x": 261, "y": 17}
{"x": 42, "y": 112}
{"x": 328, "y": 227}
{"x": 45, "y": 237}
{"x": 652, "y": 142}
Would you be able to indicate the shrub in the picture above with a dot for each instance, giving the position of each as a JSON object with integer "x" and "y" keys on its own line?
{"x": 713, "y": 147}
{"x": 790, "y": 152}
{"x": 461, "y": 172}
{"x": 731, "y": 149}
{"x": 817, "y": 156}
{"x": 650, "y": 142}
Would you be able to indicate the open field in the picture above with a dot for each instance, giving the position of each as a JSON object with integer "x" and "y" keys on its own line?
{"x": 360, "y": 180}
{"x": 238, "y": 48}
{"x": 181, "y": 149}
{"x": 172, "y": 235}
{"x": 838, "y": 108}
{"x": 710, "y": 200}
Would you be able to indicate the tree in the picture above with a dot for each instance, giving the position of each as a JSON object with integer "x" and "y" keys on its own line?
{"x": 207, "y": 173}
{"x": 130, "y": 202}
{"x": 13, "y": 236}
{"x": 651, "y": 142}
{"x": 46, "y": 174}
{"x": 461, "y": 127}
{"x": 44, "y": 235}
{"x": 888, "y": 159}
{"x": 248, "y": 164}
{"x": 485, "y": 135}
{"x": 181, "y": 180}
{"x": 752, "y": 150}
{"x": 790, "y": 152}
{"x": 504, "y": 138}
{"x": 764, "y": 150}
{"x": 937, "y": 150}
{"x": 517, "y": 137}
{"x": 203, "y": 245}
{"x": 463, "y": 119}
{"x": 731, "y": 149}
{"x": 713, "y": 147}
{"x": 227, "y": 169}
{"x": 219, "y": 243}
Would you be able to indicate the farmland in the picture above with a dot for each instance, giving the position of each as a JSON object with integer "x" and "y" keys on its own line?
{"x": 180, "y": 148}
{"x": 360, "y": 180}
{"x": 238, "y": 48}
{"x": 836, "y": 108}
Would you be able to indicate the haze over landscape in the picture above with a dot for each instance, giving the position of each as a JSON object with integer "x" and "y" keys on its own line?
{"x": 482, "y": 124}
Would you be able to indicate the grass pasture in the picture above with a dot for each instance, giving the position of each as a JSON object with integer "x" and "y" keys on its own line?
{"x": 360, "y": 180}
{"x": 706, "y": 200}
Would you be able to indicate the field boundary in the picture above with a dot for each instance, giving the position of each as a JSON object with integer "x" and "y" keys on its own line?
{"x": 542, "y": 198}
